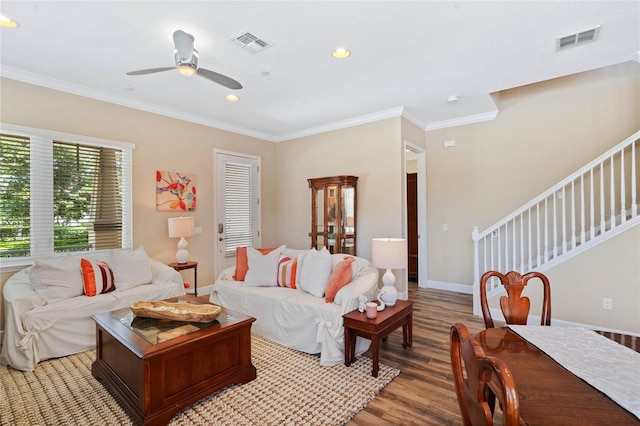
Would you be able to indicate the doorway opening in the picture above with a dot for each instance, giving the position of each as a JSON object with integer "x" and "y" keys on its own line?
{"x": 416, "y": 209}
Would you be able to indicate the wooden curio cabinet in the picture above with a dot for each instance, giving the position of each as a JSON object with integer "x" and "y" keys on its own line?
{"x": 333, "y": 213}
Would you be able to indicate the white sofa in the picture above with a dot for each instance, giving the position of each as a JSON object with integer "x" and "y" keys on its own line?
{"x": 297, "y": 319}
{"x": 36, "y": 329}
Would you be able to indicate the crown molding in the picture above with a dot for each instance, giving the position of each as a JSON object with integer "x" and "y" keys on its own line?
{"x": 76, "y": 89}
{"x": 414, "y": 120}
{"x": 337, "y": 125}
{"x": 461, "y": 121}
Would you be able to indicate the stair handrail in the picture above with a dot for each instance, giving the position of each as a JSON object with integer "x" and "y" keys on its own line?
{"x": 478, "y": 236}
{"x": 628, "y": 141}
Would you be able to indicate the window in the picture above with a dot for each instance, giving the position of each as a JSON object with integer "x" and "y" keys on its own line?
{"x": 62, "y": 193}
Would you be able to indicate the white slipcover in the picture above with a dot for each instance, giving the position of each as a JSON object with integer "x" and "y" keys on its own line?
{"x": 297, "y": 319}
{"x": 35, "y": 330}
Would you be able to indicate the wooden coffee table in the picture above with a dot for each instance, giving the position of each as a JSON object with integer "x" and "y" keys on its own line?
{"x": 155, "y": 378}
{"x": 389, "y": 319}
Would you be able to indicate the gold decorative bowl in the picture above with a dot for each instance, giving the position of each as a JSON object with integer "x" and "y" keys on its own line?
{"x": 186, "y": 312}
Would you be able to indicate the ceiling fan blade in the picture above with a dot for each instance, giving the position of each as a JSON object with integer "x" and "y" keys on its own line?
{"x": 184, "y": 45}
{"x": 219, "y": 78}
{"x": 150, "y": 71}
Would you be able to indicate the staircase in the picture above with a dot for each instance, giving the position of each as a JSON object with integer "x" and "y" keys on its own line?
{"x": 588, "y": 207}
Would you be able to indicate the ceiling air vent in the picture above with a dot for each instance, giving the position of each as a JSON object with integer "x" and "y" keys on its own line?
{"x": 578, "y": 39}
{"x": 250, "y": 42}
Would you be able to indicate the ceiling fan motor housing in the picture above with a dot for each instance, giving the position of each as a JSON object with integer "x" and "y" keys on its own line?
{"x": 187, "y": 66}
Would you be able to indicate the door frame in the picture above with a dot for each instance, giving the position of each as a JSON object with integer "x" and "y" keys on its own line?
{"x": 421, "y": 157}
{"x": 219, "y": 261}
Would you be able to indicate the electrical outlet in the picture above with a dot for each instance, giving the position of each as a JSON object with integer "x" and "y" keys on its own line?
{"x": 607, "y": 303}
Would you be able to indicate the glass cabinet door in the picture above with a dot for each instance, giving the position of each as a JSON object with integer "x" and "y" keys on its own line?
{"x": 318, "y": 215}
{"x": 333, "y": 213}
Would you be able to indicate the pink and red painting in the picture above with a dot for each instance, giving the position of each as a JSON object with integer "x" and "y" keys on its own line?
{"x": 175, "y": 192}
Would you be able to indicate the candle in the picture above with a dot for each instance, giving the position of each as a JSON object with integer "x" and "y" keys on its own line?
{"x": 372, "y": 310}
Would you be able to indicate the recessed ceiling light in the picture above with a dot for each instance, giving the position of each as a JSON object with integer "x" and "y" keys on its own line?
{"x": 265, "y": 73}
{"x": 452, "y": 99}
{"x": 232, "y": 98}
{"x": 7, "y": 22}
{"x": 341, "y": 53}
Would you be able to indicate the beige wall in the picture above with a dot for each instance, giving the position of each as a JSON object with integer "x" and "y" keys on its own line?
{"x": 162, "y": 143}
{"x": 543, "y": 133}
{"x": 610, "y": 270}
{"x": 373, "y": 152}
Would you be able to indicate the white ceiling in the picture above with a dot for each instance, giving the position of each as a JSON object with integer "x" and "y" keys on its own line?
{"x": 407, "y": 57}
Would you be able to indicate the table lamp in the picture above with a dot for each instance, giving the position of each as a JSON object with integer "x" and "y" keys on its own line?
{"x": 389, "y": 253}
{"x": 180, "y": 227}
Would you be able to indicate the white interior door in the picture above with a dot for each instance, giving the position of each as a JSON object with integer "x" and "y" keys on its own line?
{"x": 237, "y": 205}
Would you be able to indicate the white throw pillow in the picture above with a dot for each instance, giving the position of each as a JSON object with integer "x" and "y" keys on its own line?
{"x": 130, "y": 269}
{"x": 58, "y": 280}
{"x": 316, "y": 270}
{"x": 263, "y": 269}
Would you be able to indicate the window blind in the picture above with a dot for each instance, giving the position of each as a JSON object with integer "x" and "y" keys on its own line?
{"x": 15, "y": 188}
{"x": 87, "y": 200}
{"x": 238, "y": 207}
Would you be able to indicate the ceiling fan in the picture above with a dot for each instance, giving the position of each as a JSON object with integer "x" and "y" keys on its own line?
{"x": 187, "y": 63}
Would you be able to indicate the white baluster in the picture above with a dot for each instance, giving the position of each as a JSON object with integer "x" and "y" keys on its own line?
{"x": 529, "y": 240}
{"x": 546, "y": 231}
{"x": 515, "y": 256}
{"x": 602, "y": 219}
{"x": 623, "y": 207}
{"x": 506, "y": 247}
{"x": 592, "y": 208}
{"x": 612, "y": 193}
{"x": 634, "y": 202}
{"x": 573, "y": 215}
{"x": 582, "y": 218}
{"x": 521, "y": 243}
{"x": 538, "y": 259}
{"x": 555, "y": 228}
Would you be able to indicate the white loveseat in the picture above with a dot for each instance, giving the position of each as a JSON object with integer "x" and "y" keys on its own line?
{"x": 37, "y": 329}
{"x": 296, "y": 318}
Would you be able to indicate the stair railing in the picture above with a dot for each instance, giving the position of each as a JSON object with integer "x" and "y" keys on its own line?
{"x": 591, "y": 205}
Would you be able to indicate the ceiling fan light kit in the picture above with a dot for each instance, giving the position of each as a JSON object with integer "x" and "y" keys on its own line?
{"x": 186, "y": 58}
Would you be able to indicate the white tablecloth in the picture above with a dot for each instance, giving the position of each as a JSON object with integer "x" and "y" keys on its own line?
{"x": 608, "y": 366}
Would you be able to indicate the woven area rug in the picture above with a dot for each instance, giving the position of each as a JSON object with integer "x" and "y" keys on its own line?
{"x": 291, "y": 389}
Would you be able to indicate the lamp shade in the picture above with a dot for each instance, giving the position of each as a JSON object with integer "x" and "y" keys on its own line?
{"x": 389, "y": 253}
{"x": 181, "y": 227}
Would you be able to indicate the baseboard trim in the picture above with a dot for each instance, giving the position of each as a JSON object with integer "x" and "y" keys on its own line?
{"x": 443, "y": 285}
{"x": 208, "y": 289}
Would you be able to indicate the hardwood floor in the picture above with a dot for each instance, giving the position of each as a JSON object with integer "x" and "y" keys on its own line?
{"x": 423, "y": 393}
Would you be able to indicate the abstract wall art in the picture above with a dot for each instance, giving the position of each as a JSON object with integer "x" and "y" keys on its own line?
{"x": 175, "y": 191}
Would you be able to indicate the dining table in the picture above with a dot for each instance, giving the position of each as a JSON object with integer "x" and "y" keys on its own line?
{"x": 550, "y": 394}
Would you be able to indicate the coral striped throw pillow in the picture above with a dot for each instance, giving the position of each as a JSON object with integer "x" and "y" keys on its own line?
{"x": 97, "y": 277}
{"x": 288, "y": 271}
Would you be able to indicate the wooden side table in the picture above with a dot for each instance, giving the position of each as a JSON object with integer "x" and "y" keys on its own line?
{"x": 189, "y": 265}
{"x": 357, "y": 324}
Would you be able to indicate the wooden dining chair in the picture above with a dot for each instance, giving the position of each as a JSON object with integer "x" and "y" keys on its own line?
{"x": 486, "y": 378}
{"x": 515, "y": 307}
